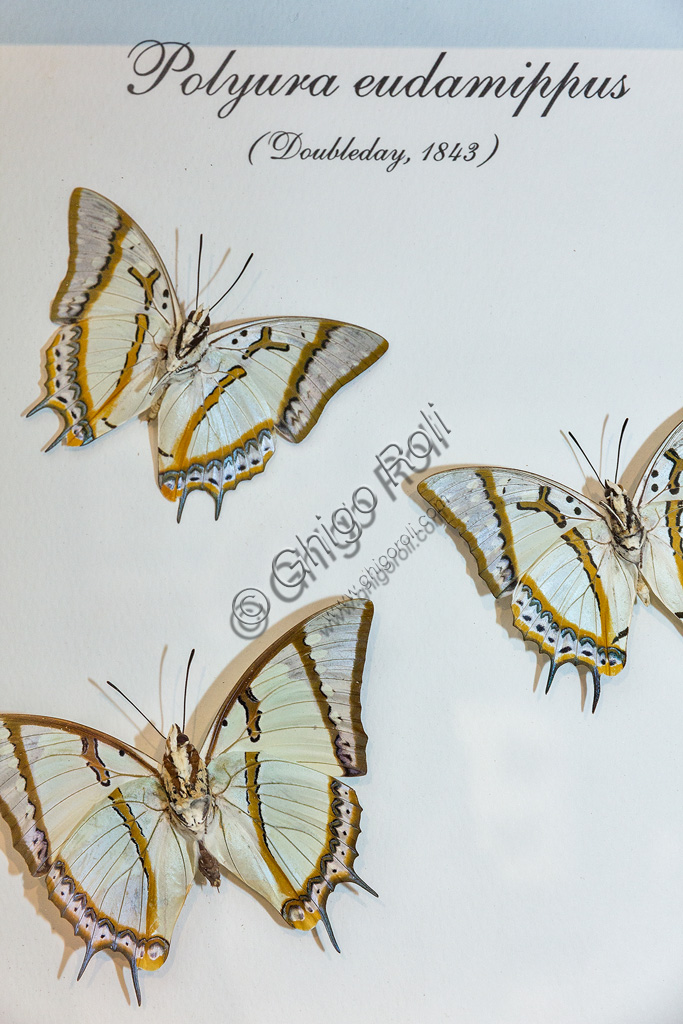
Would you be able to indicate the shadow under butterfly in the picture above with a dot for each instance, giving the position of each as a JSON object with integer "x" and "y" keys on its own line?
{"x": 125, "y": 348}
{"x": 119, "y": 838}
{"x": 573, "y": 567}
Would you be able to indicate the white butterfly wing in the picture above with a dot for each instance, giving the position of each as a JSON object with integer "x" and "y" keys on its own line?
{"x": 660, "y": 506}
{"x": 549, "y": 546}
{"x": 217, "y": 425}
{"x": 284, "y": 825}
{"x": 117, "y": 312}
{"x": 91, "y": 815}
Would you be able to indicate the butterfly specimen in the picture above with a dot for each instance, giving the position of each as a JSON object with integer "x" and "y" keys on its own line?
{"x": 119, "y": 838}
{"x": 125, "y": 347}
{"x": 574, "y": 568}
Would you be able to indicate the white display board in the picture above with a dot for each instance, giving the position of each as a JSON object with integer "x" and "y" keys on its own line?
{"x": 527, "y": 854}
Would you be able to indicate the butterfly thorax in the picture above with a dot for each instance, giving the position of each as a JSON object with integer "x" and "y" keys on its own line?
{"x": 186, "y": 782}
{"x": 185, "y": 350}
{"x": 628, "y": 532}
{"x": 192, "y": 333}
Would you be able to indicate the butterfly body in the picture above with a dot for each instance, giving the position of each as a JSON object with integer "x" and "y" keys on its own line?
{"x": 573, "y": 568}
{"x": 119, "y": 838}
{"x": 124, "y": 348}
{"x": 186, "y": 781}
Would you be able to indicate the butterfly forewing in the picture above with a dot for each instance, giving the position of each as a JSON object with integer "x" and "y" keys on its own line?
{"x": 217, "y": 428}
{"x": 91, "y": 815}
{"x": 284, "y": 826}
{"x": 117, "y": 311}
{"x": 551, "y": 548}
{"x": 301, "y": 698}
{"x": 660, "y": 506}
{"x": 113, "y": 267}
{"x": 662, "y": 480}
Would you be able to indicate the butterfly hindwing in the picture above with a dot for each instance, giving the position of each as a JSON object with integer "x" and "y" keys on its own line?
{"x": 284, "y": 825}
{"x": 288, "y": 832}
{"x": 552, "y": 550}
{"x": 218, "y": 427}
{"x": 90, "y": 814}
{"x": 117, "y": 311}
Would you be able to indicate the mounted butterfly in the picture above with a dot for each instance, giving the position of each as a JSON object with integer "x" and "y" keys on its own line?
{"x": 573, "y": 568}
{"x": 125, "y": 347}
{"x": 120, "y": 838}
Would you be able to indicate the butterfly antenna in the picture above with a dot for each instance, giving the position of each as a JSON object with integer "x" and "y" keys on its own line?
{"x": 118, "y": 690}
{"x": 621, "y": 438}
{"x": 187, "y": 676}
{"x": 199, "y": 266}
{"x": 233, "y": 283}
{"x": 597, "y": 475}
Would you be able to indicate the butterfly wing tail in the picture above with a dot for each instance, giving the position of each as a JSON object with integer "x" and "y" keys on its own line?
{"x": 90, "y": 952}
